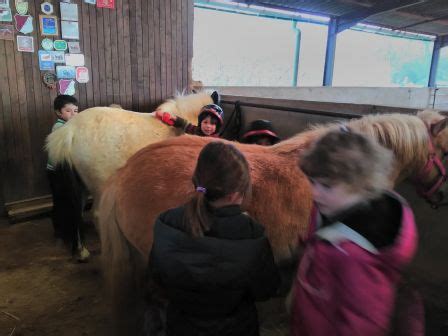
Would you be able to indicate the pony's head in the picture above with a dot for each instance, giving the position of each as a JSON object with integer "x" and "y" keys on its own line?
{"x": 431, "y": 180}
{"x": 189, "y": 106}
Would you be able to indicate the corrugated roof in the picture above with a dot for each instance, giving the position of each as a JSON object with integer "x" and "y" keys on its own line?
{"x": 419, "y": 16}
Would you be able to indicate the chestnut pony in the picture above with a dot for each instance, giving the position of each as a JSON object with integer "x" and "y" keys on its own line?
{"x": 158, "y": 177}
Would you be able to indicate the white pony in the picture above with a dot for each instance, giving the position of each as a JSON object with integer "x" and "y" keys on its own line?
{"x": 99, "y": 140}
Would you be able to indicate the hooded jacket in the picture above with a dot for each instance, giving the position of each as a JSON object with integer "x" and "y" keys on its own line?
{"x": 212, "y": 281}
{"x": 346, "y": 281}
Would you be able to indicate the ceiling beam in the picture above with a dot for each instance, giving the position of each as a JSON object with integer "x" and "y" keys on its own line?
{"x": 424, "y": 21}
{"x": 350, "y": 19}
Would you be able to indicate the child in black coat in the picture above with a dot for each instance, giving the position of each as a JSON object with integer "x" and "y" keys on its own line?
{"x": 212, "y": 259}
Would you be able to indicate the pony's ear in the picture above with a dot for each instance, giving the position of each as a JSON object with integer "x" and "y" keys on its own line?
{"x": 216, "y": 98}
{"x": 439, "y": 127}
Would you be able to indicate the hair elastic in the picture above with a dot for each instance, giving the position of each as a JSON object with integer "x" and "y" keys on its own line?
{"x": 201, "y": 189}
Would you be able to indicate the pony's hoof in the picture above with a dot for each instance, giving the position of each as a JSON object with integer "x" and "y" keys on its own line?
{"x": 82, "y": 255}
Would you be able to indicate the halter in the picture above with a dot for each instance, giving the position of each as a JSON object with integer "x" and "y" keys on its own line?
{"x": 433, "y": 160}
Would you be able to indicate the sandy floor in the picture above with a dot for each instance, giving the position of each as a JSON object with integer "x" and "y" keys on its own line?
{"x": 44, "y": 292}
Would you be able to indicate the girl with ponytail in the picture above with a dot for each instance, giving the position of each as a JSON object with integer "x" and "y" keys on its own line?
{"x": 212, "y": 260}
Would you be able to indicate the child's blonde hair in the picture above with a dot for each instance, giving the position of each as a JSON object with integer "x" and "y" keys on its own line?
{"x": 343, "y": 156}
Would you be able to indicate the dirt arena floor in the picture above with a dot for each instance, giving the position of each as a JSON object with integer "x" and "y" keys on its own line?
{"x": 44, "y": 292}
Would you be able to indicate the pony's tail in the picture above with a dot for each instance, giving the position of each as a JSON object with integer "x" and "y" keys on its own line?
{"x": 118, "y": 263}
{"x": 59, "y": 145}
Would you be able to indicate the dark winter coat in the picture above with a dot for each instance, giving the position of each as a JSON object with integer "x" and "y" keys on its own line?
{"x": 212, "y": 281}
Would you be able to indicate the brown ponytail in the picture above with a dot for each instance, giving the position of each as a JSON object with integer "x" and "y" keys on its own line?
{"x": 221, "y": 170}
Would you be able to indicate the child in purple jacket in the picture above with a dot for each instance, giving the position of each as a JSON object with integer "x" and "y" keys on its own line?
{"x": 361, "y": 238}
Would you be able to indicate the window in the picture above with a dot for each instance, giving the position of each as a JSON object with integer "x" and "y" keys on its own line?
{"x": 368, "y": 59}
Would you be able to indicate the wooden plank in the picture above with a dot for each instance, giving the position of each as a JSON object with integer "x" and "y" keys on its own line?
{"x": 81, "y": 93}
{"x": 174, "y": 23}
{"x": 179, "y": 45}
{"x": 114, "y": 61}
{"x": 87, "y": 52}
{"x": 94, "y": 69}
{"x": 15, "y": 171}
{"x": 127, "y": 53}
{"x": 120, "y": 83}
{"x": 139, "y": 45}
{"x": 34, "y": 151}
{"x": 101, "y": 56}
{"x": 157, "y": 51}
{"x": 38, "y": 119}
{"x": 133, "y": 49}
{"x": 108, "y": 56}
{"x": 145, "y": 53}
{"x": 168, "y": 39}
{"x": 5, "y": 130}
{"x": 151, "y": 70}
{"x": 163, "y": 56}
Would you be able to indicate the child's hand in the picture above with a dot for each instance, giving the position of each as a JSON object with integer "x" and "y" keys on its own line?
{"x": 165, "y": 117}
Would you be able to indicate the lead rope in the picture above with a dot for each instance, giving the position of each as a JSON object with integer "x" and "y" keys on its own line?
{"x": 236, "y": 118}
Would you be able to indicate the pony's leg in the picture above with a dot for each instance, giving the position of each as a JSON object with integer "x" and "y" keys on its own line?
{"x": 82, "y": 253}
{"x": 76, "y": 192}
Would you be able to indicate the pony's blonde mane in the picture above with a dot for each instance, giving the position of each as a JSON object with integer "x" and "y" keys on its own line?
{"x": 406, "y": 135}
{"x": 187, "y": 106}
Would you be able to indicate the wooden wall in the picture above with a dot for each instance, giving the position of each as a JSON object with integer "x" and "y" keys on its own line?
{"x": 138, "y": 54}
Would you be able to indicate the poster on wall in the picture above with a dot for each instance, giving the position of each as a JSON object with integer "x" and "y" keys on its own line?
{"x": 58, "y": 56}
{"x": 25, "y": 43}
{"x": 49, "y": 80}
{"x": 69, "y": 11}
{"x": 74, "y": 48}
{"x": 82, "y": 74}
{"x": 60, "y": 45}
{"x": 74, "y": 59}
{"x": 105, "y": 4}
{"x": 48, "y": 25}
{"x": 45, "y": 60}
{"x": 70, "y": 30}
{"x": 46, "y": 8}
{"x": 4, "y": 3}
{"x": 67, "y": 86}
{"x": 63, "y": 71}
{"x": 24, "y": 23}
{"x": 91, "y": 2}
{"x": 6, "y": 32}
{"x": 47, "y": 44}
{"x": 21, "y": 7}
{"x": 5, "y": 15}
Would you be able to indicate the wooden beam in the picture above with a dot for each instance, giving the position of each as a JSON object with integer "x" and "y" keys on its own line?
{"x": 350, "y": 19}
